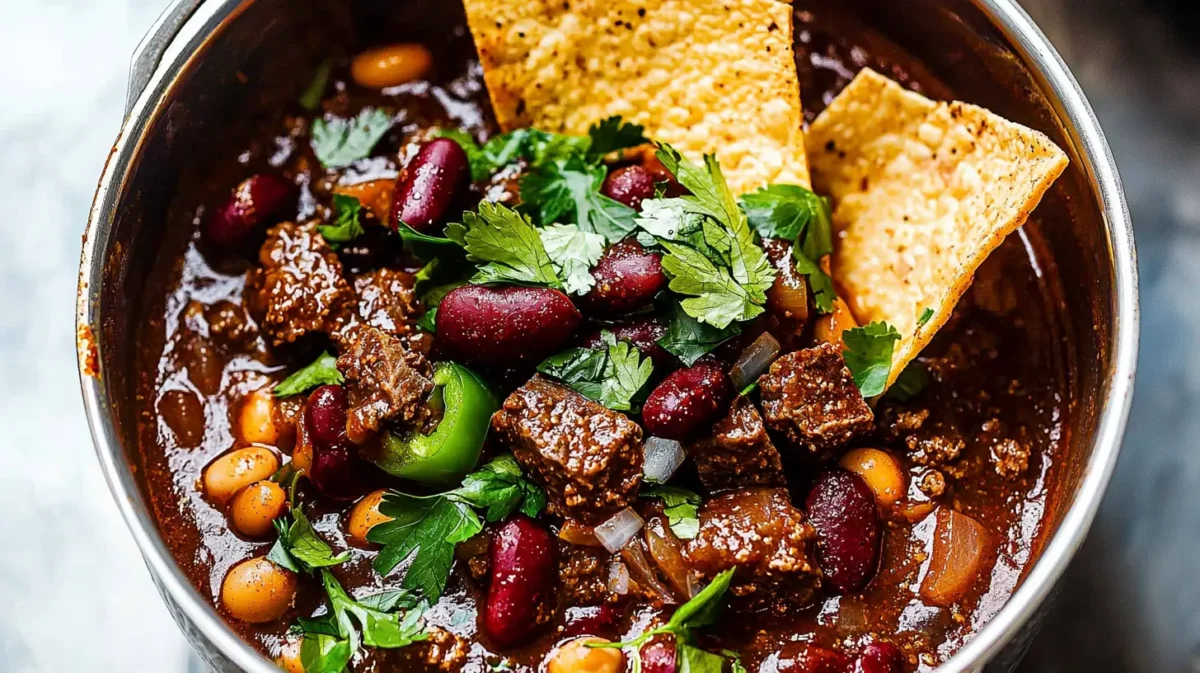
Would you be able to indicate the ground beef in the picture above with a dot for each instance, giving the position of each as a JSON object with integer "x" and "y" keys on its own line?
{"x": 445, "y": 651}
{"x": 738, "y": 453}
{"x": 810, "y": 397}
{"x": 299, "y": 286}
{"x": 385, "y": 383}
{"x": 583, "y": 575}
{"x": 761, "y": 533}
{"x": 588, "y": 457}
{"x": 1010, "y": 457}
{"x": 931, "y": 443}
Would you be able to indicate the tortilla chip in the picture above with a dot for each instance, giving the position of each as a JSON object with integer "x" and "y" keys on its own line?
{"x": 923, "y": 192}
{"x": 706, "y": 76}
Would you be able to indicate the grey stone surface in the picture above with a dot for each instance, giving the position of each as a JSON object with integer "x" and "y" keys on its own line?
{"x": 74, "y": 595}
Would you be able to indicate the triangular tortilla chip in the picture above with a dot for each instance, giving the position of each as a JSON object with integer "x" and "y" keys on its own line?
{"x": 923, "y": 192}
{"x": 707, "y": 76}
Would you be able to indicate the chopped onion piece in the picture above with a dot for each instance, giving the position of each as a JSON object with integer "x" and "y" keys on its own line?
{"x": 618, "y": 578}
{"x": 663, "y": 457}
{"x": 754, "y": 361}
{"x": 957, "y": 559}
{"x": 615, "y": 532}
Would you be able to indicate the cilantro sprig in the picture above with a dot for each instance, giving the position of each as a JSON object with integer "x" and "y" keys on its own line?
{"x": 682, "y": 508}
{"x": 689, "y": 339}
{"x": 322, "y": 371}
{"x": 426, "y": 529}
{"x": 347, "y": 221}
{"x": 569, "y": 191}
{"x": 506, "y": 244}
{"x": 868, "y": 355}
{"x": 574, "y": 252}
{"x": 793, "y": 213}
{"x": 298, "y": 547}
{"x": 702, "y": 610}
{"x": 612, "y": 376}
{"x": 339, "y": 142}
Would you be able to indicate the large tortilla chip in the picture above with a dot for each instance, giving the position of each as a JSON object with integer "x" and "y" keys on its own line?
{"x": 923, "y": 192}
{"x": 707, "y": 76}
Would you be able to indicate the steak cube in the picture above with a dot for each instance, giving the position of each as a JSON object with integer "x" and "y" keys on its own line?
{"x": 738, "y": 453}
{"x": 810, "y": 397}
{"x": 589, "y": 458}
{"x": 385, "y": 383}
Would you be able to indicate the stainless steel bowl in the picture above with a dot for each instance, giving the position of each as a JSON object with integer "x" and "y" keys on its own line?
{"x": 185, "y": 91}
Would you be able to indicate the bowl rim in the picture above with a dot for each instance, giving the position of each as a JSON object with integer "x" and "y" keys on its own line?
{"x": 1082, "y": 131}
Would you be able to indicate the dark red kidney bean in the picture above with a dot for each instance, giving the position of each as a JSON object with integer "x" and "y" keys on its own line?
{"x": 629, "y": 185}
{"x": 258, "y": 201}
{"x": 504, "y": 326}
{"x": 842, "y": 508}
{"x": 430, "y": 183}
{"x": 337, "y": 471}
{"x": 521, "y": 559}
{"x": 594, "y": 620}
{"x": 807, "y": 658}
{"x": 686, "y": 401}
{"x": 627, "y": 278}
{"x": 325, "y": 414}
{"x": 643, "y": 333}
{"x": 658, "y": 655}
{"x": 880, "y": 657}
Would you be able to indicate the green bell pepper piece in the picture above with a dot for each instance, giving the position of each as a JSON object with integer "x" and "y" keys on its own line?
{"x": 445, "y": 456}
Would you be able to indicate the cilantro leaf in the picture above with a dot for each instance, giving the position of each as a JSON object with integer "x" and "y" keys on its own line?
{"x": 569, "y": 191}
{"x": 612, "y": 134}
{"x": 819, "y": 282}
{"x": 672, "y": 219}
{"x": 682, "y": 508}
{"x": 424, "y": 246}
{"x": 714, "y": 297}
{"x": 785, "y": 211}
{"x": 735, "y": 661}
{"x": 322, "y": 371}
{"x": 709, "y": 190}
{"x": 695, "y": 660}
{"x": 507, "y": 244}
{"x": 347, "y": 223}
{"x": 427, "y": 530}
{"x": 613, "y": 376}
{"x": 924, "y": 317}
{"x": 500, "y": 488}
{"x": 323, "y": 653}
{"x": 310, "y": 98}
{"x": 911, "y": 381}
{"x": 481, "y": 164}
{"x": 574, "y": 253}
{"x": 868, "y": 355}
{"x": 339, "y": 142}
{"x": 689, "y": 339}
{"x": 534, "y": 146}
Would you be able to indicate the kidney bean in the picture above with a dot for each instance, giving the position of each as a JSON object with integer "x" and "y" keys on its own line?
{"x": 627, "y": 278}
{"x": 258, "y": 201}
{"x": 842, "y": 508}
{"x": 880, "y": 657}
{"x": 427, "y": 187}
{"x": 504, "y": 326}
{"x": 629, "y": 185}
{"x": 594, "y": 620}
{"x": 658, "y": 655}
{"x": 686, "y": 401}
{"x": 807, "y": 658}
{"x": 325, "y": 414}
{"x": 337, "y": 471}
{"x": 643, "y": 333}
{"x": 522, "y": 566}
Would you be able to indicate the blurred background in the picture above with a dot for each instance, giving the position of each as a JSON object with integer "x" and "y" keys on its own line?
{"x": 74, "y": 595}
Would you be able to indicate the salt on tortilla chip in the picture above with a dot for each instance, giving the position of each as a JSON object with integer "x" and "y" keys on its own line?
{"x": 923, "y": 192}
{"x": 706, "y": 76}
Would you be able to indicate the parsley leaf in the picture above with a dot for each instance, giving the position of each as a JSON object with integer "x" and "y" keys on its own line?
{"x": 785, "y": 211}
{"x": 347, "y": 224}
{"x": 298, "y": 541}
{"x": 339, "y": 142}
{"x": 682, "y": 508}
{"x": 689, "y": 339}
{"x": 507, "y": 243}
{"x": 426, "y": 529}
{"x": 613, "y": 376}
{"x": 695, "y": 660}
{"x": 534, "y": 146}
{"x": 868, "y": 355}
{"x": 569, "y": 191}
{"x": 924, "y": 317}
{"x": 911, "y": 382}
{"x": 714, "y": 297}
{"x": 323, "y": 370}
{"x": 574, "y": 253}
{"x": 612, "y": 134}
{"x": 310, "y": 98}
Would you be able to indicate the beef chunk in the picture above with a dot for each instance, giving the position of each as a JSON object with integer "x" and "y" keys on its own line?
{"x": 385, "y": 382}
{"x": 758, "y": 531}
{"x": 738, "y": 453}
{"x": 810, "y": 397}
{"x": 385, "y": 301}
{"x": 588, "y": 457}
{"x": 299, "y": 288}
{"x": 582, "y": 574}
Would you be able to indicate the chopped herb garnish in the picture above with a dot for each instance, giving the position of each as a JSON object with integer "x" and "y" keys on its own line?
{"x": 298, "y": 546}
{"x": 339, "y": 142}
{"x": 507, "y": 244}
{"x": 670, "y": 219}
{"x": 818, "y": 281}
{"x": 569, "y": 191}
{"x": 574, "y": 252}
{"x": 794, "y": 213}
{"x": 924, "y": 317}
{"x": 424, "y": 246}
{"x": 481, "y": 166}
{"x": 868, "y": 355}
{"x": 428, "y": 528}
{"x": 912, "y": 380}
{"x": 689, "y": 339}
{"x": 614, "y": 134}
{"x": 310, "y": 98}
{"x": 322, "y": 371}
{"x": 682, "y": 508}
{"x": 347, "y": 222}
{"x": 612, "y": 376}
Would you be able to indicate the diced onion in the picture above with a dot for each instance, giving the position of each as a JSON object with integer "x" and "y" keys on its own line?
{"x": 642, "y": 574}
{"x": 957, "y": 559}
{"x": 754, "y": 361}
{"x": 578, "y": 534}
{"x": 618, "y": 578}
{"x": 668, "y": 556}
{"x": 617, "y": 531}
{"x": 663, "y": 457}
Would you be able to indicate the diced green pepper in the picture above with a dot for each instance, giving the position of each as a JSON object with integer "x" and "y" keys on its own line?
{"x": 444, "y": 456}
